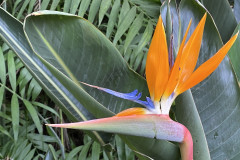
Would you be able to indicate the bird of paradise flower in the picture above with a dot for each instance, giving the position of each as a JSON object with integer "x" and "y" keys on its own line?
{"x": 164, "y": 84}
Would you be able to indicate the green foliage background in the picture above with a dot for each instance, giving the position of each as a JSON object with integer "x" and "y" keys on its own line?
{"x": 128, "y": 24}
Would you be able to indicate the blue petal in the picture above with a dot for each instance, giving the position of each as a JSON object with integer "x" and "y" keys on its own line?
{"x": 139, "y": 95}
{"x": 150, "y": 102}
{"x": 132, "y": 93}
{"x": 132, "y": 96}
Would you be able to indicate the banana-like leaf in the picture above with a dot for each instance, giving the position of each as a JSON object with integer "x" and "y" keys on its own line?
{"x": 11, "y": 30}
{"x": 82, "y": 53}
{"x": 237, "y": 10}
{"x": 235, "y": 56}
{"x": 217, "y": 98}
{"x": 223, "y": 16}
{"x": 222, "y": 97}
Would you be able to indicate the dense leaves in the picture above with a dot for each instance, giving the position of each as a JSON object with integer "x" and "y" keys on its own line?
{"x": 207, "y": 110}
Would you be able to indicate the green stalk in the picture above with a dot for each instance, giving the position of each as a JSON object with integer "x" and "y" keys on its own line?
{"x": 61, "y": 121}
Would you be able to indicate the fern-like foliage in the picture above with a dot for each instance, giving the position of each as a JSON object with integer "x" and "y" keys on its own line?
{"x": 129, "y": 24}
{"x": 21, "y": 130}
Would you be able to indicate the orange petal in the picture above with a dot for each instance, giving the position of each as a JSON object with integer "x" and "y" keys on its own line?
{"x": 191, "y": 52}
{"x": 132, "y": 111}
{"x": 157, "y": 66}
{"x": 172, "y": 82}
{"x": 207, "y": 67}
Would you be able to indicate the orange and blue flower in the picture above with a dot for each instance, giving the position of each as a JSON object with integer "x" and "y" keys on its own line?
{"x": 165, "y": 83}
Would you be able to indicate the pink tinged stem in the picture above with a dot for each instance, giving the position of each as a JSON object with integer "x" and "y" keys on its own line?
{"x": 186, "y": 147}
{"x": 150, "y": 126}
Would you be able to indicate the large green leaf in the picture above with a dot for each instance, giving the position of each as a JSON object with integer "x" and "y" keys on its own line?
{"x": 237, "y": 10}
{"x": 216, "y": 98}
{"x": 11, "y": 31}
{"x": 223, "y": 16}
{"x": 71, "y": 45}
{"x": 186, "y": 111}
{"x": 235, "y": 56}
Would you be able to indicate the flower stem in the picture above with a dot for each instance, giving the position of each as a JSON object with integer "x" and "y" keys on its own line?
{"x": 186, "y": 147}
